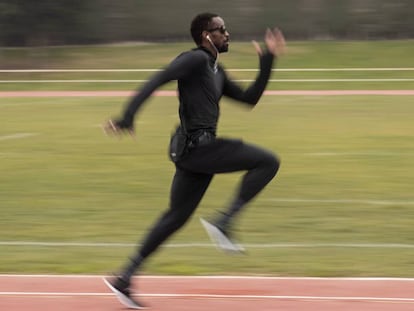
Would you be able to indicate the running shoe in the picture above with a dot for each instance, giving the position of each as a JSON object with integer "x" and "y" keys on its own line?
{"x": 122, "y": 292}
{"x": 221, "y": 238}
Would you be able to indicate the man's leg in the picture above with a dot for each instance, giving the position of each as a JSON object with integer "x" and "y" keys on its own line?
{"x": 224, "y": 156}
{"x": 261, "y": 170}
{"x": 186, "y": 193}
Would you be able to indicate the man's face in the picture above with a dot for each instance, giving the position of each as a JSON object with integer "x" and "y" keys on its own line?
{"x": 219, "y": 35}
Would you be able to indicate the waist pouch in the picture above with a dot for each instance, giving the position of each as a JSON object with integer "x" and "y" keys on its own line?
{"x": 178, "y": 145}
{"x": 181, "y": 143}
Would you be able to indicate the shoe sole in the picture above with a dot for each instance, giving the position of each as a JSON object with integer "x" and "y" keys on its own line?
{"x": 125, "y": 300}
{"x": 221, "y": 241}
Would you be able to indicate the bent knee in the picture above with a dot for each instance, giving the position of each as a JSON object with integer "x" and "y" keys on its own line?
{"x": 272, "y": 163}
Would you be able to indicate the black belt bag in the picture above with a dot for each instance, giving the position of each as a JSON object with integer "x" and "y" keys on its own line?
{"x": 178, "y": 145}
{"x": 181, "y": 143}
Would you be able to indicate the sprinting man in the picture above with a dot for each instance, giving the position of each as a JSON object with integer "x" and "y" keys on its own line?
{"x": 198, "y": 154}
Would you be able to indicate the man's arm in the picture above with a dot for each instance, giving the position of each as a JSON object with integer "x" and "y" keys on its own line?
{"x": 275, "y": 46}
{"x": 253, "y": 93}
{"x": 180, "y": 67}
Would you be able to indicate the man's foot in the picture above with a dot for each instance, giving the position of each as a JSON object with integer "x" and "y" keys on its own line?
{"x": 122, "y": 292}
{"x": 221, "y": 238}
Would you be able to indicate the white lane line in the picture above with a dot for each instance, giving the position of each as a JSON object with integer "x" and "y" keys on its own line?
{"x": 17, "y": 136}
{"x": 220, "y": 296}
{"x": 217, "y": 277}
{"x": 85, "y": 70}
{"x": 366, "y": 153}
{"x": 237, "y": 80}
{"x": 331, "y": 69}
{"x": 231, "y": 69}
{"x": 52, "y": 294}
{"x": 205, "y": 245}
{"x": 341, "y": 201}
{"x": 74, "y": 81}
{"x": 335, "y": 80}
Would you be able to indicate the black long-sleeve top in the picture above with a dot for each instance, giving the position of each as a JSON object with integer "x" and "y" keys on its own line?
{"x": 200, "y": 87}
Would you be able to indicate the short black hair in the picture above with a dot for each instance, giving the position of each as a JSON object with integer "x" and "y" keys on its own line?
{"x": 199, "y": 24}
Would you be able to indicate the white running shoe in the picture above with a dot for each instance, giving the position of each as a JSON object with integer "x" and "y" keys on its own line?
{"x": 124, "y": 296}
{"x": 220, "y": 239}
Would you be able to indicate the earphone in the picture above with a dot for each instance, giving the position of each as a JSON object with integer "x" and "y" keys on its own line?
{"x": 217, "y": 52}
{"x": 212, "y": 44}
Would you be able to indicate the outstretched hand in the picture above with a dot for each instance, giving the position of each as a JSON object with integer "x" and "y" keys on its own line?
{"x": 274, "y": 41}
{"x": 115, "y": 128}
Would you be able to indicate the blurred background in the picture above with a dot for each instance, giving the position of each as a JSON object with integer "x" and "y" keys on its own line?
{"x": 57, "y": 22}
{"x": 75, "y": 201}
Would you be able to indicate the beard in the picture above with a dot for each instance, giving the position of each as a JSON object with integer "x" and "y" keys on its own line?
{"x": 223, "y": 48}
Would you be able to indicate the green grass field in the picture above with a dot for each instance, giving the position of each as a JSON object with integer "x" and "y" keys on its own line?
{"x": 341, "y": 205}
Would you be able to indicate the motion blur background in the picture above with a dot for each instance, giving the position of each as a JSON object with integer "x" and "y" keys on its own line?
{"x": 75, "y": 201}
{"x": 51, "y": 22}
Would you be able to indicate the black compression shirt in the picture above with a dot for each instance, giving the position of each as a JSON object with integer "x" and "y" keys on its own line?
{"x": 200, "y": 88}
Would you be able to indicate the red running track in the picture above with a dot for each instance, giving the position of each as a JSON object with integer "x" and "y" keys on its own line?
{"x": 176, "y": 293}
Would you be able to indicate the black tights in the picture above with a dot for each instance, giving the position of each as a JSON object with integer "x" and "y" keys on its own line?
{"x": 192, "y": 178}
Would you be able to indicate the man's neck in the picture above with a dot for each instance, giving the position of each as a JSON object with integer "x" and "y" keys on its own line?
{"x": 210, "y": 49}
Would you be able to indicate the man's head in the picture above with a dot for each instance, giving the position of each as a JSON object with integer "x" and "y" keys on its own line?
{"x": 208, "y": 29}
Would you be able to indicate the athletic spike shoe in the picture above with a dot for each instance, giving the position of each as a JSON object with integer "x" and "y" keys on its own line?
{"x": 121, "y": 289}
{"x": 221, "y": 238}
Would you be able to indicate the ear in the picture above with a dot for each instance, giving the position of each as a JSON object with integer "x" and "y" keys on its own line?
{"x": 205, "y": 34}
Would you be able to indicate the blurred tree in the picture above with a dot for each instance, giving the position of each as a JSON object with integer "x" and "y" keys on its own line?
{"x": 52, "y": 22}
{"x": 45, "y": 22}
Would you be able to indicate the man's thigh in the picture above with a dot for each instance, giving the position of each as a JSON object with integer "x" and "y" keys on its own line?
{"x": 223, "y": 156}
{"x": 187, "y": 189}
